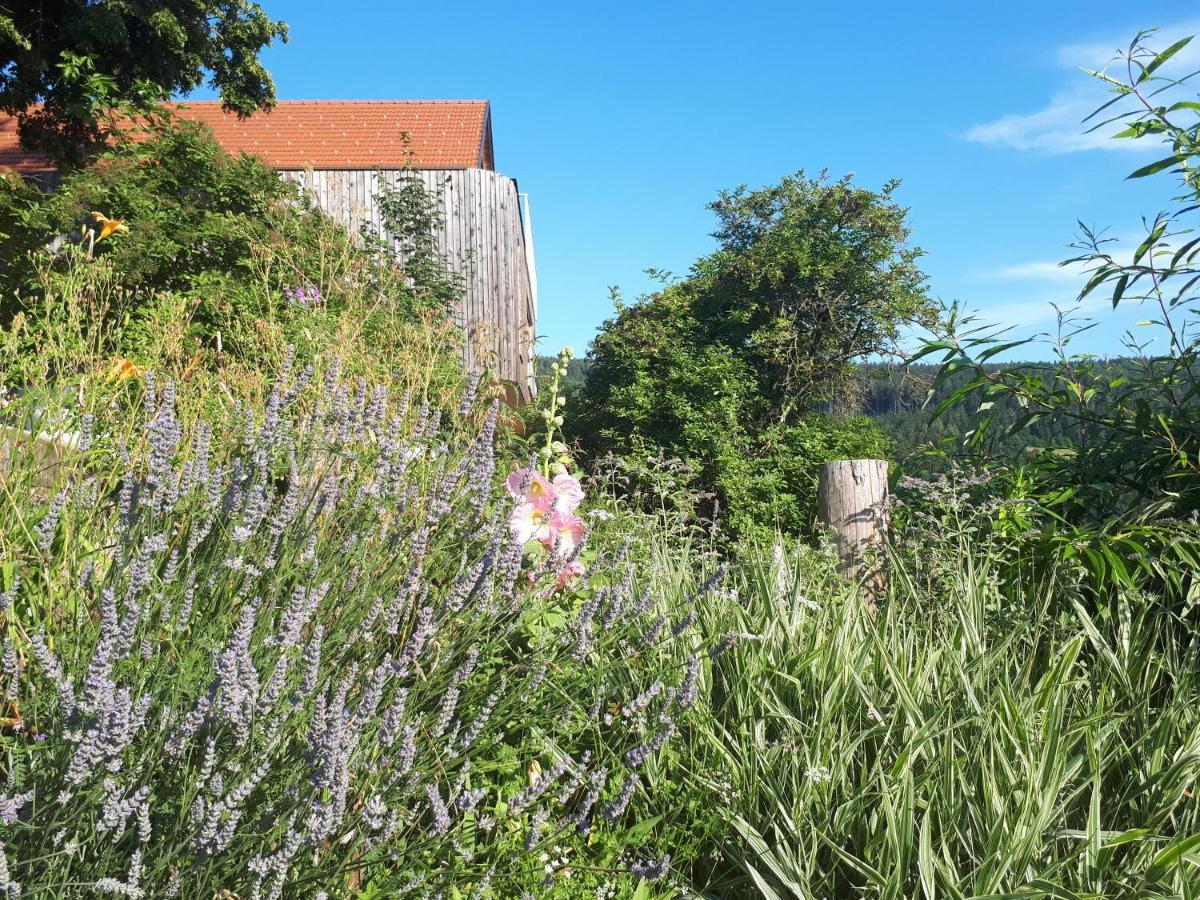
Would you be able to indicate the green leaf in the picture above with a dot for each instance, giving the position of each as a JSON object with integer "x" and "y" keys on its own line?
{"x": 1161, "y": 58}
{"x": 1119, "y": 289}
{"x": 1154, "y": 167}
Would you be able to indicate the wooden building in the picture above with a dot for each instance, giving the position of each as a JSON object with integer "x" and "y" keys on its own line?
{"x": 340, "y": 150}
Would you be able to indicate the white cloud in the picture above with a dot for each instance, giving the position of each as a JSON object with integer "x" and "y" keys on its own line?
{"x": 1053, "y": 273}
{"x": 1039, "y": 270}
{"x": 1058, "y": 127}
{"x": 1098, "y": 54}
{"x": 1055, "y": 129}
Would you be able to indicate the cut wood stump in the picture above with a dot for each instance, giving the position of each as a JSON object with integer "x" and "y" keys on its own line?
{"x": 852, "y": 502}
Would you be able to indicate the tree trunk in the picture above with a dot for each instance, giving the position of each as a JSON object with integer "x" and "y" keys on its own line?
{"x": 852, "y": 502}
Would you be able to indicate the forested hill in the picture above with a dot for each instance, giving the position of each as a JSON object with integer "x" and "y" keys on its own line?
{"x": 899, "y": 400}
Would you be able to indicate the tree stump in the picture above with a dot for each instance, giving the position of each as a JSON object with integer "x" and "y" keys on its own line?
{"x": 852, "y": 502}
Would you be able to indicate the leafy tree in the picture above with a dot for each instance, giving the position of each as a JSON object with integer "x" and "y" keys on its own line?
{"x": 810, "y": 276}
{"x": 727, "y": 369}
{"x": 66, "y": 64}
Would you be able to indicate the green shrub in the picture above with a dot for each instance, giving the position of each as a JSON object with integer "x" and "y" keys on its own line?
{"x": 729, "y": 368}
{"x": 1129, "y": 441}
{"x": 242, "y": 247}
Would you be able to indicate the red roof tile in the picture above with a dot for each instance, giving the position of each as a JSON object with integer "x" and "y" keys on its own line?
{"x": 332, "y": 134}
{"x": 15, "y": 157}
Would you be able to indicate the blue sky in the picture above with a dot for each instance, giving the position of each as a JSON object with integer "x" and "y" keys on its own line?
{"x": 622, "y": 120}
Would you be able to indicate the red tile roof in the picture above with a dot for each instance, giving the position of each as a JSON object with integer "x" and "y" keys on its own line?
{"x": 15, "y": 157}
{"x": 332, "y": 134}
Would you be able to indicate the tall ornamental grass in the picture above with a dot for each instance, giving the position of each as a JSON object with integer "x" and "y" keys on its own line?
{"x": 294, "y": 650}
{"x": 997, "y": 740}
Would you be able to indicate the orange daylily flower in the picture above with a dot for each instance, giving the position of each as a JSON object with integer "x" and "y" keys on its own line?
{"x": 103, "y": 226}
{"x": 122, "y": 369}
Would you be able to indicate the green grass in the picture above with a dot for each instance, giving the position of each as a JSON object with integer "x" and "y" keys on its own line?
{"x": 995, "y": 741}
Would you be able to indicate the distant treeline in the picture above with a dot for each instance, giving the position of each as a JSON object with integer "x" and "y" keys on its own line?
{"x": 902, "y": 401}
{"x": 899, "y": 400}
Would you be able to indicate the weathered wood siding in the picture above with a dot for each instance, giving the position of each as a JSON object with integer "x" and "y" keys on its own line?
{"x": 484, "y": 241}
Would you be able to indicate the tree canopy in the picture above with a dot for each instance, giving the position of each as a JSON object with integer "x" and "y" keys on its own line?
{"x": 728, "y": 367}
{"x": 65, "y": 64}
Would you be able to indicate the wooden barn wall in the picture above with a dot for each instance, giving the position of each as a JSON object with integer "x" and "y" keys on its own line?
{"x": 483, "y": 241}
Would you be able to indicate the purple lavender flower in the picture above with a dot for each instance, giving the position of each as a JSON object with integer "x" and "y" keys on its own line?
{"x": 639, "y": 754}
{"x": 48, "y": 526}
{"x": 652, "y": 870}
{"x": 304, "y": 296}
{"x": 616, "y": 807}
{"x": 689, "y": 688}
{"x": 437, "y": 809}
{"x": 11, "y": 806}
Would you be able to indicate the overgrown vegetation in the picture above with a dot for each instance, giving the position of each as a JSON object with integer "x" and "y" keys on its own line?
{"x": 288, "y": 610}
{"x": 72, "y": 71}
{"x": 729, "y": 368}
{"x": 223, "y": 255}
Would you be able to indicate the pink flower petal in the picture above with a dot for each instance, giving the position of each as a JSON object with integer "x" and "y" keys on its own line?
{"x": 568, "y": 531}
{"x": 568, "y": 493}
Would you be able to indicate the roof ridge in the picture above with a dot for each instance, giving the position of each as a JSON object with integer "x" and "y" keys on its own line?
{"x": 337, "y": 134}
{"x": 345, "y": 102}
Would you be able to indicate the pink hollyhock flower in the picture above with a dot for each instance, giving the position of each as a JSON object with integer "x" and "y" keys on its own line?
{"x": 545, "y": 510}
{"x": 569, "y": 573}
{"x": 567, "y": 532}
{"x": 568, "y": 493}
{"x": 531, "y": 521}
{"x": 536, "y": 488}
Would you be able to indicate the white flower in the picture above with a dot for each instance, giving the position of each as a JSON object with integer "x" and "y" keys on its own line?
{"x": 817, "y": 774}
{"x": 602, "y": 514}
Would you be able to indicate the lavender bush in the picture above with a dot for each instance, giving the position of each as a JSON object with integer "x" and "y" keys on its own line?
{"x": 295, "y": 650}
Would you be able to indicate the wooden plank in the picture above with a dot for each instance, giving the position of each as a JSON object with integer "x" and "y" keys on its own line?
{"x": 483, "y": 241}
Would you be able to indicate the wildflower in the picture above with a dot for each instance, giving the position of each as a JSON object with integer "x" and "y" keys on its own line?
{"x": 11, "y": 806}
{"x": 616, "y": 807}
{"x": 568, "y": 573}
{"x": 817, "y": 774}
{"x": 568, "y": 494}
{"x": 566, "y": 532}
{"x": 651, "y": 870}
{"x": 9, "y": 886}
{"x": 441, "y": 817}
{"x": 47, "y": 527}
{"x": 530, "y": 521}
{"x": 545, "y": 511}
{"x": 689, "y": 688}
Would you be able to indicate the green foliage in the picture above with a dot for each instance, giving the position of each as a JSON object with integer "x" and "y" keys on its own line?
{"x": 413, "y": 217}
{"x": 575, "y": 376}
{"x": 191, "y": 210}
{"x": 221, "y": 248}
{"x": 258, "y": 641}
{"x": 901, "y": 400}
{"x": 726, "y": 369}
{"x": 1133, "y": 445}
{"x": 65, "y": 66}
{"x": 810, "y": 276}
{"x": 991, "y": 738}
